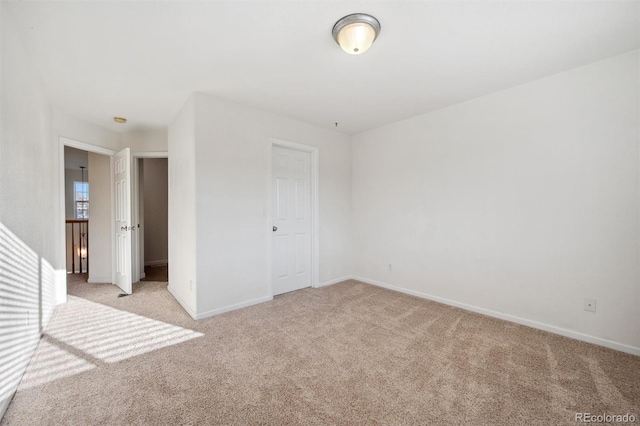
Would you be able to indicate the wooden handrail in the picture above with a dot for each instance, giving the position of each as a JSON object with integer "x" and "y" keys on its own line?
{"x": 81, "y": 233}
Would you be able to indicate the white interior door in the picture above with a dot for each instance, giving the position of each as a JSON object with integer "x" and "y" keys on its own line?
{"x": 291, "y": 250}
{"x": 122, "y": 191}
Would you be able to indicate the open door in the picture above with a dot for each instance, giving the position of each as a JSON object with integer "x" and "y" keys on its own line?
{"x": 122, "y": 191}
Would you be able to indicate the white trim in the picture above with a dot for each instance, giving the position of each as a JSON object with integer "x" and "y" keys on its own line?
{"x": 335, "y": 281}
{"x": 61, "y": 282}
{"x": 219, "y": 310}
{"x": 4, "y": 404}
{"x": 85, "y": 147}
{"x": 267, "y": 208}
{"x": 511, "y": 318}
{"x": 156, "y": 263}
{"x": 314, "y": 152}
{"x": 32, "y": 344}
{"x": 233, "y": 307}
{"x": 315, "y": 217}
{"x": 181, "y": 302}
{"x": 150, "y": 154}
{"x": 112, "y": 190}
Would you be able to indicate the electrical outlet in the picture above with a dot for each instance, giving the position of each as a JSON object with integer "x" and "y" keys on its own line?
{"x": 590, "y": 305}
{"x": 390, "y": 268}
{"x": 190, "y": 285}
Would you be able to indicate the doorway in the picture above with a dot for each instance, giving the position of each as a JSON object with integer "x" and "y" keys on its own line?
{"x": 85, "y": 184}
{"x": 293, "y": 199}
{"x": 76, "y": 195}
{"x": 151, "y": 206}
{"x": 108, "y": 244}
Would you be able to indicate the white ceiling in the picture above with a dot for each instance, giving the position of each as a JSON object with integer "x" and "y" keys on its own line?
{"x": 141, "y": 60}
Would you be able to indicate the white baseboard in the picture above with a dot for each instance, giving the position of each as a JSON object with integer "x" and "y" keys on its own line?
{"x": 182, "y": 302}
{"x": 234, "y": 307}
{"x": 512, "y": 318}
{"x": 32, "y": 344}
{"x": 4, "y": 404}
{"x": 156, "y": 263}
{"x": 219, "y": 310}
{"x": 334, "y": 281}
{"x": 142, "y": 275}
{"x": 60, "y": 282}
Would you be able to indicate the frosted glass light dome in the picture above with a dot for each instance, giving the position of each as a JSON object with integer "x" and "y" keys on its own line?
{"x": 355, "y": 33}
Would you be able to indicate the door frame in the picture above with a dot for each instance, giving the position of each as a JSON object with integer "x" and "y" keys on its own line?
{"x": 137, "y": 265}
{"x": 273, "y": 142}
{"x": 62, "y": 142}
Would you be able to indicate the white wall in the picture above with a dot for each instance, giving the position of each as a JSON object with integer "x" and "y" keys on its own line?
{"x": 523, "y": 202}
{"x": 29, "y": 187}
{"x": 75, "y": 129}
{"x": 231, "y": 166}
{"x": 182, "y": 205}
{"x": 32, "y": 210}
{"x": 149, "y": 140}
{"x": 155, "y": 207}
{"x": 100, "y": 218}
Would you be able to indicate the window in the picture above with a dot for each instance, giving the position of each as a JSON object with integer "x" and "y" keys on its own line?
{"x": 81, "y": 199}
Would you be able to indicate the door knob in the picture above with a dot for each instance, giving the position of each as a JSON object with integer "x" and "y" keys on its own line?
{"x": 275, "y": 228}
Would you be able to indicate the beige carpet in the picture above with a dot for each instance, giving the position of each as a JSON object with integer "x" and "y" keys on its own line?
{"x": 345, "y": 354}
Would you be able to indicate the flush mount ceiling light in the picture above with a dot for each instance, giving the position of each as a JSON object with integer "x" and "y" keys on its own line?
{"x": 356, "y": 32}
{"x": 120, "y": 120}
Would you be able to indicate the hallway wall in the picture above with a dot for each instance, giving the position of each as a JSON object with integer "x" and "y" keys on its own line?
{"x": 29, "y": 188}
{"x": 156, "y": 223}
{"x": 100, "y": 229}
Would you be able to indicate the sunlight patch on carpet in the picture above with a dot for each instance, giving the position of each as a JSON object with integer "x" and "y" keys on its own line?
{"x": 51, "y": 363}
{"x": 111, "y": 335}
{"x": 84, "y": 334}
